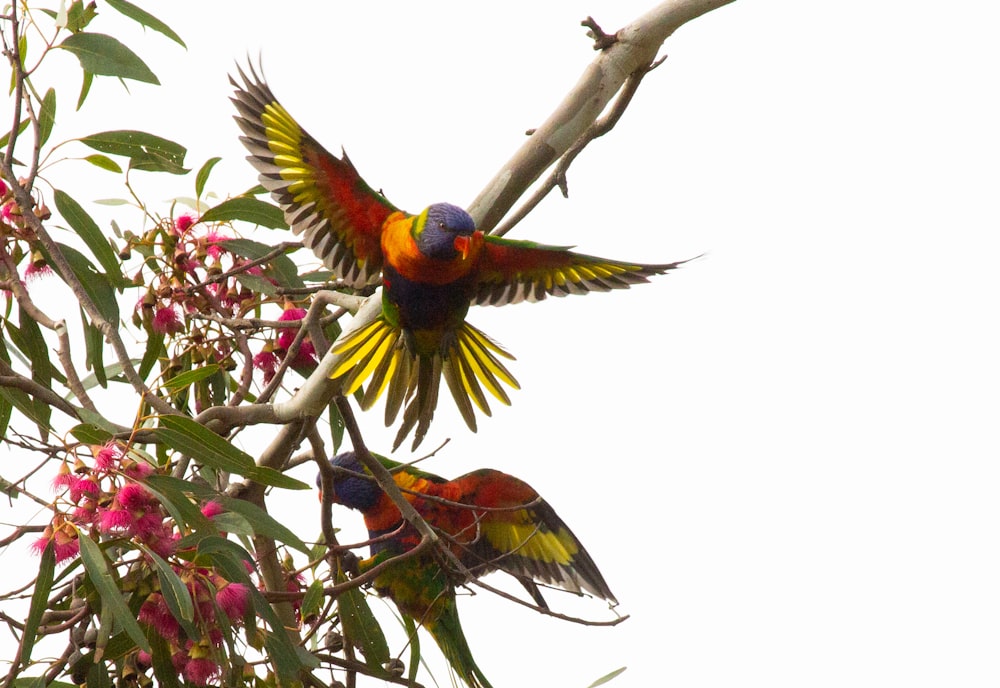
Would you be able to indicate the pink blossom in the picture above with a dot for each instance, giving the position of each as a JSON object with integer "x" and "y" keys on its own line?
{"x": 166, "y": 320}
{"x": 287, "y": 334}
{"x": 267, "y": 362}
{"x": 136, "y": 470}
{"x": 306, "y": 354}
{"x": 183, "y": 223}
{"x": 234, "y": 600}
{"x": 115, "y": 520}
{"x": 151, "y": 525}
{"x": 86, "y": 512}
{"x": 67, "y": 550}
{"x": 213, "y": 244}
{"x": 155, "y": 613}
{"x": 211, "y": 509}
{"x": 83, "y": 488}
{"x": 64, "y": 478}
{"x": 36, "y": 271}
{"x": 107, "y": 456}
{"x": 10, "y": 212}
{"x": 200, "y": 670}
{"x": 3, "y": 188}
{"x": 134, "y": 497}
{"x": 65, "y": 538}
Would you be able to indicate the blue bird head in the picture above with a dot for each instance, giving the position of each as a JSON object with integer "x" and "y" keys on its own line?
{"x": 359, "y": 493}
{"x": 443, "y": 224}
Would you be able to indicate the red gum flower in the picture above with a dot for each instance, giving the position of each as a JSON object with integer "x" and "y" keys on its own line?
{"x": 107, "y": 457}
{"x": 64, "y": 536}
{"x": 34, "y": 273}
{"x": 200, "y": 670}
{"x": 82, "y": 488}
{"x": 166, "y": 320}
{"x": 211, "y": 509}
{"x": 135, "y": 497}
{"x": 267, "y": 362}
{"x": 136, "y": 470}
{"x": 156, "y": 615}
{"x": 183, "y": 223}
{"x": 115, "y": 519}
{"x": 234, "y": 600}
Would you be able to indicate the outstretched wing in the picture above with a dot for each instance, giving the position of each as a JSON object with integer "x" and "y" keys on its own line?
{"x": 521, "y": 534}
{"x": 511, "y": 271}
{"x": 324, "y": 198}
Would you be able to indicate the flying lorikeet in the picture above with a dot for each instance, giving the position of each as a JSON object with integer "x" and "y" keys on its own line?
{"x": 432, "y": 265}
{"x": 491, "y": 520}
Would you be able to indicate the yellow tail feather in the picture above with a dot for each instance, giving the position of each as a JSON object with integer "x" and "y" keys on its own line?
{"x": 467, "y": 359}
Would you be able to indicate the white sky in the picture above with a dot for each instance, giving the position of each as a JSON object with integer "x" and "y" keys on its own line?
{"x": 783, "y": 457}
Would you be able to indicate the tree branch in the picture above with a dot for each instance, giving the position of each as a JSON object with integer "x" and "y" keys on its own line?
{"x": 635, "y": 49}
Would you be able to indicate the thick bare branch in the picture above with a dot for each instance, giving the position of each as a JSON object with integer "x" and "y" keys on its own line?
{"x": 635, "y": 48}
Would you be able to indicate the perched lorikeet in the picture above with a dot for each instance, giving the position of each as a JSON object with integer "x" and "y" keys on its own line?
{"x": 433, "y": 265}
{"x": 493, "y": 521}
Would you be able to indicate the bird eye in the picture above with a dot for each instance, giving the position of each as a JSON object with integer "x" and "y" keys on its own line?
{"x": 442, "y": 225}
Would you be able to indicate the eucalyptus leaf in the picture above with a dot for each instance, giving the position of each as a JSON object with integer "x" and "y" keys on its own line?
{"x": 104, "y": 55}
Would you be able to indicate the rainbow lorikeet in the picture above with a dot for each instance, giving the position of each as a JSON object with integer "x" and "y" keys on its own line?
{"x": 491, "y": 520}
{"x": 433, "y": 265}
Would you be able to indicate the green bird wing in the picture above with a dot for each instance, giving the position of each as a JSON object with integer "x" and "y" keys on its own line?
{"x": 511, "y": 271}
{"x": 323, "y": 197}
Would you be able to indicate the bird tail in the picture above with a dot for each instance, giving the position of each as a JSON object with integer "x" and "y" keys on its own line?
{"x": 467, "y": 358}
{"x": 447, "y": 632}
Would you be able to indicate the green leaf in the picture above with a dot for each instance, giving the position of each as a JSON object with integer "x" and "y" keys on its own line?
{"x": 189, "y": 377}
{"x": 257, "y": 284}
{"x": 202, "y": 178}
{"x": 604, "y": 679}
{"x": 46, "y": 116}
{"x": 33, "y": 344}
{"x": 337, "y": 425}
{"x": 79, "y": 15}
{"x": 20, "y": 130}
{"x": 145, "y": 18}
{"x": 12, "y": 395}
{"x": 94, "y": 340}
{"x": 163, "y": 667}
{"x": 6, "y": 410}
{"x": 39, "y": 601}
{"x": 87, "y": 229}
{"x": 105, "y": 163}
{"x": 154, "y": 349}
{"x": 90, "y": 433}
{"x": 104, "y": 582}
{"x": 228, "y": 557}
{"x": 109, "y": 201}
{"x": 102, "y": 54}
{"x": 231, "y": 522}
{"x": 247, "y": 209}
{"x": 203, "y": 445}
{"x": 145, "y": 151}
{"x": 172, "y": 493}
{"x": 411, "y": 632}
{"x": 313, "y": 599}
{"x": 39, "y": 682}
{"x": 263, "y": 523}
{"x": 88, "y": 80}
{"x": 98, "y": 676}
{"x": 360, "y": 627}
{"x": 175, "y": 593}
{"x": 95, "y": 284}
